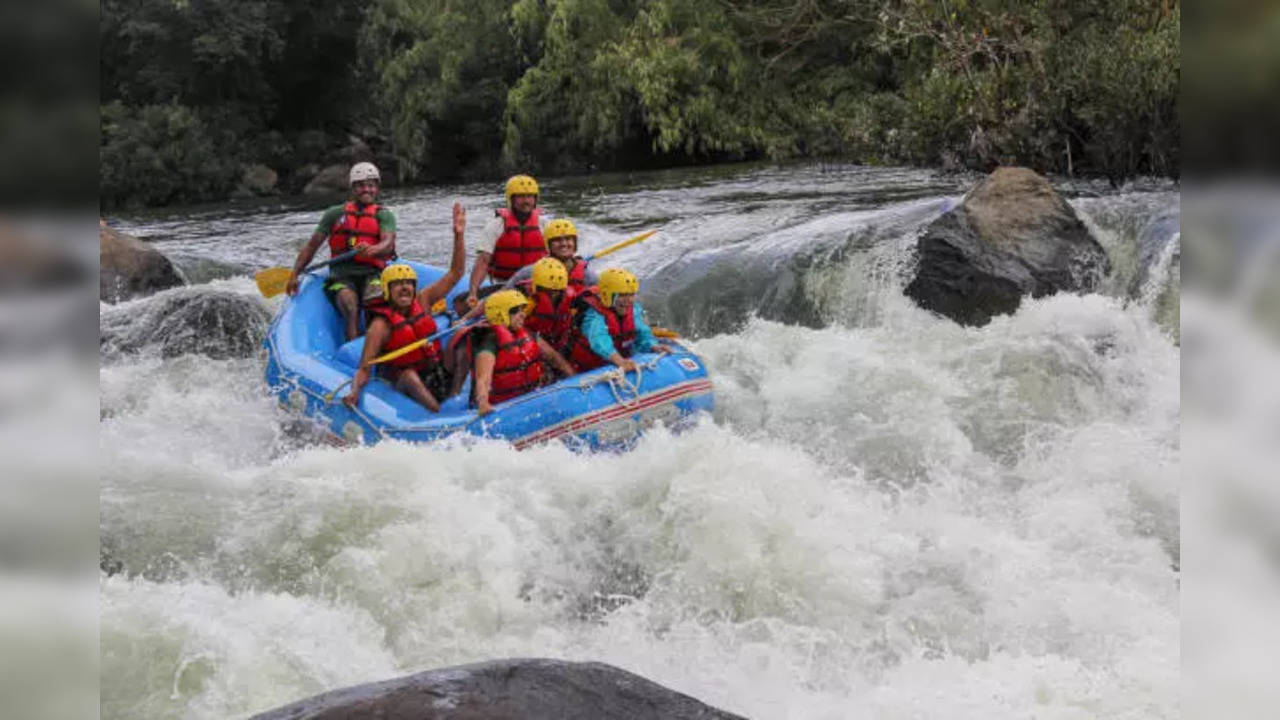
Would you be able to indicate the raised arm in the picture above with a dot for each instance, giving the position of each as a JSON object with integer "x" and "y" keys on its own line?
{"x": 457, "y": 262}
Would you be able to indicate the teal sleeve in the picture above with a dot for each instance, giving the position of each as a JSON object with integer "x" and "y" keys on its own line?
{"x": 597, "y": 332}
{"x": 644, "y": 335}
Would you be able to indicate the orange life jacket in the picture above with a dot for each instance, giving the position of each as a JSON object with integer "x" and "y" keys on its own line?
{"x": 578, "y": 275}
{"x": 519, "y": 244}
{"x": 357, "y": 226}
{"x": 553, "y": 322}
{"x": 517, "y": 369}
{"x": 621, "y": 330}
{"x": 404, "y": 330}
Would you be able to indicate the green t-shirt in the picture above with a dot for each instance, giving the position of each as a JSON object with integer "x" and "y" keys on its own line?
{"x": 386, "y": 219}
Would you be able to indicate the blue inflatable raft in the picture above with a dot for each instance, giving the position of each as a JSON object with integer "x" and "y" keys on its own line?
{"x": 307, "y": 361}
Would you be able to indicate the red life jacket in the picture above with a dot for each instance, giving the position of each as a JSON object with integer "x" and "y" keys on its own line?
{"x": 519, "y": 245}
{"x": 404, "y": 330}
{"x": 552, "y": 322}
{"x": 357, "y": 226}
{"x": 578, "y": 275}
{"x": 518, "y": 367}
{"x": 621, "y": 330}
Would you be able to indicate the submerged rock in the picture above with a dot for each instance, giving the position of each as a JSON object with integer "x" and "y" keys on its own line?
{"x": 215, "y": 323}
{"x": 524, "y": 689}
{"x": 1011, "y": 236}
{"x": 129, "y": 267}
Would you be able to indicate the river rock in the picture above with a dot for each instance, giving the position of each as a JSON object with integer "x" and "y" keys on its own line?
{"x": 259, "y": 180}
{"x": 332, "y": 180}
{"x": 129, "y": 267}
{"x": 516, "y": 689}
{"x": 1011, "y": 236}
{"x": 216, "y": 323}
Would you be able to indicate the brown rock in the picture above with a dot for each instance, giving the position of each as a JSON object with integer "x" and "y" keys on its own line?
{"x": 330, "y": 181}
{"x": 129, "y": 267}
{"x": 1011, "y": 236}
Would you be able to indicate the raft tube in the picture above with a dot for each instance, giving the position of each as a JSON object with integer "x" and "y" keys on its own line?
{"x": 308, "y": 367}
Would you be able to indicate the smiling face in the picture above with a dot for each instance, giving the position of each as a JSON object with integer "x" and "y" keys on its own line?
{"x": 401, "y": 294}
{"x": 524, "y": 204}
{"x": 365, "y": 191}
{"x": 563, "y": 247}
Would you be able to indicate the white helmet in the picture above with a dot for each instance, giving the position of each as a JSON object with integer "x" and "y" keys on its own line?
{"x": 363, "y": 171}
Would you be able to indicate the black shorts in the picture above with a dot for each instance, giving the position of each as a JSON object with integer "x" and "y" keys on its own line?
{"x": 355, "y": 276}
{"x": 437, "y": 379}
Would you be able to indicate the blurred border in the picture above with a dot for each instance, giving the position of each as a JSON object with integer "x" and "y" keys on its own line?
{"x": 48, "y": 378}
{"x": 1231, "y": 360}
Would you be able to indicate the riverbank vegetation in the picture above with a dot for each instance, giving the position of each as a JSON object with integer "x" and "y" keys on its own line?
{"x": 195, "y": 93}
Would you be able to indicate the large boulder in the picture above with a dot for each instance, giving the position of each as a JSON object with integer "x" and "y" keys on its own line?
{"x": 332, "y": 180}
{"x": 518, "y": 689}
{"x": 259, "y": 180}
{"x": 130, "y": 267}
{"x": 197, "y": 320}
{"x": 1011, "y": 236}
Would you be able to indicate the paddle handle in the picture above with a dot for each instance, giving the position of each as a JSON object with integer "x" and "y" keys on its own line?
{"x": 316, "y": 266}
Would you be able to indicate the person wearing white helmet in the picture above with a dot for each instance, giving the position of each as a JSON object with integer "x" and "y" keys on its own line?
{"x": 360, "y": 224}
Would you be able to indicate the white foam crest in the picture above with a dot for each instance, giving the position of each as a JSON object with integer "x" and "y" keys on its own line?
{"x": 745, "y": 571}
{"x": 193, "y": 650}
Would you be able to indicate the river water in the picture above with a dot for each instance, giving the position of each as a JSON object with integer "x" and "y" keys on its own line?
{"x": 888, "y": 516}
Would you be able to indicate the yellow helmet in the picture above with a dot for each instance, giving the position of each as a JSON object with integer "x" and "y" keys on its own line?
{"x": 521, "y": 185}
{"x": 549, "y": 273}
{"x": 500, "y": 306}
{"x": 558, "y": 228}
{"x": 615, "y": 281}
{"x": 393, "y": 273}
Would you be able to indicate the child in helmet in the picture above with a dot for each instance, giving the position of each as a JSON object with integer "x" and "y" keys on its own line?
{"x": 609, "y": 326}
{"x": 403, "y": 316}
{"x": 506, "y": 359}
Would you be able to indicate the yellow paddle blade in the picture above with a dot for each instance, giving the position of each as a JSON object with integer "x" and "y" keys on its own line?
{"x": 272, "y": 281}
{"x": 438, "y": 307}
{"x": 664, "y": 333}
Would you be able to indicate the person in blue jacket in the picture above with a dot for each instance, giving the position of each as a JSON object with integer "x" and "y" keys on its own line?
{"x": 610, "y": 326}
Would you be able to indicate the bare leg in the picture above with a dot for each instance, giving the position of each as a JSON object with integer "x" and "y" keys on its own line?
{"x": 410, "y": 383}
{"x": 349, "y": 305}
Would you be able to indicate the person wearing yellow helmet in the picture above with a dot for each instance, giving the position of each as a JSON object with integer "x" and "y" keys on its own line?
{"x": 506, "y": 358}
{"x": 609, "y": 326}
{"x": 512, "y": 239}
{"x": 562, "y": 244}
{"x": 551, "y": 315}
{"x": 362, "y": 225}
{"x": 403, "y": 316}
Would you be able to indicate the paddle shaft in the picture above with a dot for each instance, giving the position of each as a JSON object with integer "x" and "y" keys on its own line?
{"x": 419, "y": 343}
{"x": 316, "y": 266}
{"x": 625, "y": 243}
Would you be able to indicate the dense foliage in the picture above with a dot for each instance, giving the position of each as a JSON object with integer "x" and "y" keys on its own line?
{"x": 195, "y": 91}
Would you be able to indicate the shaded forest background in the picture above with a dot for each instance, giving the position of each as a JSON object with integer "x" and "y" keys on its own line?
{"x": 195, "y": 94}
